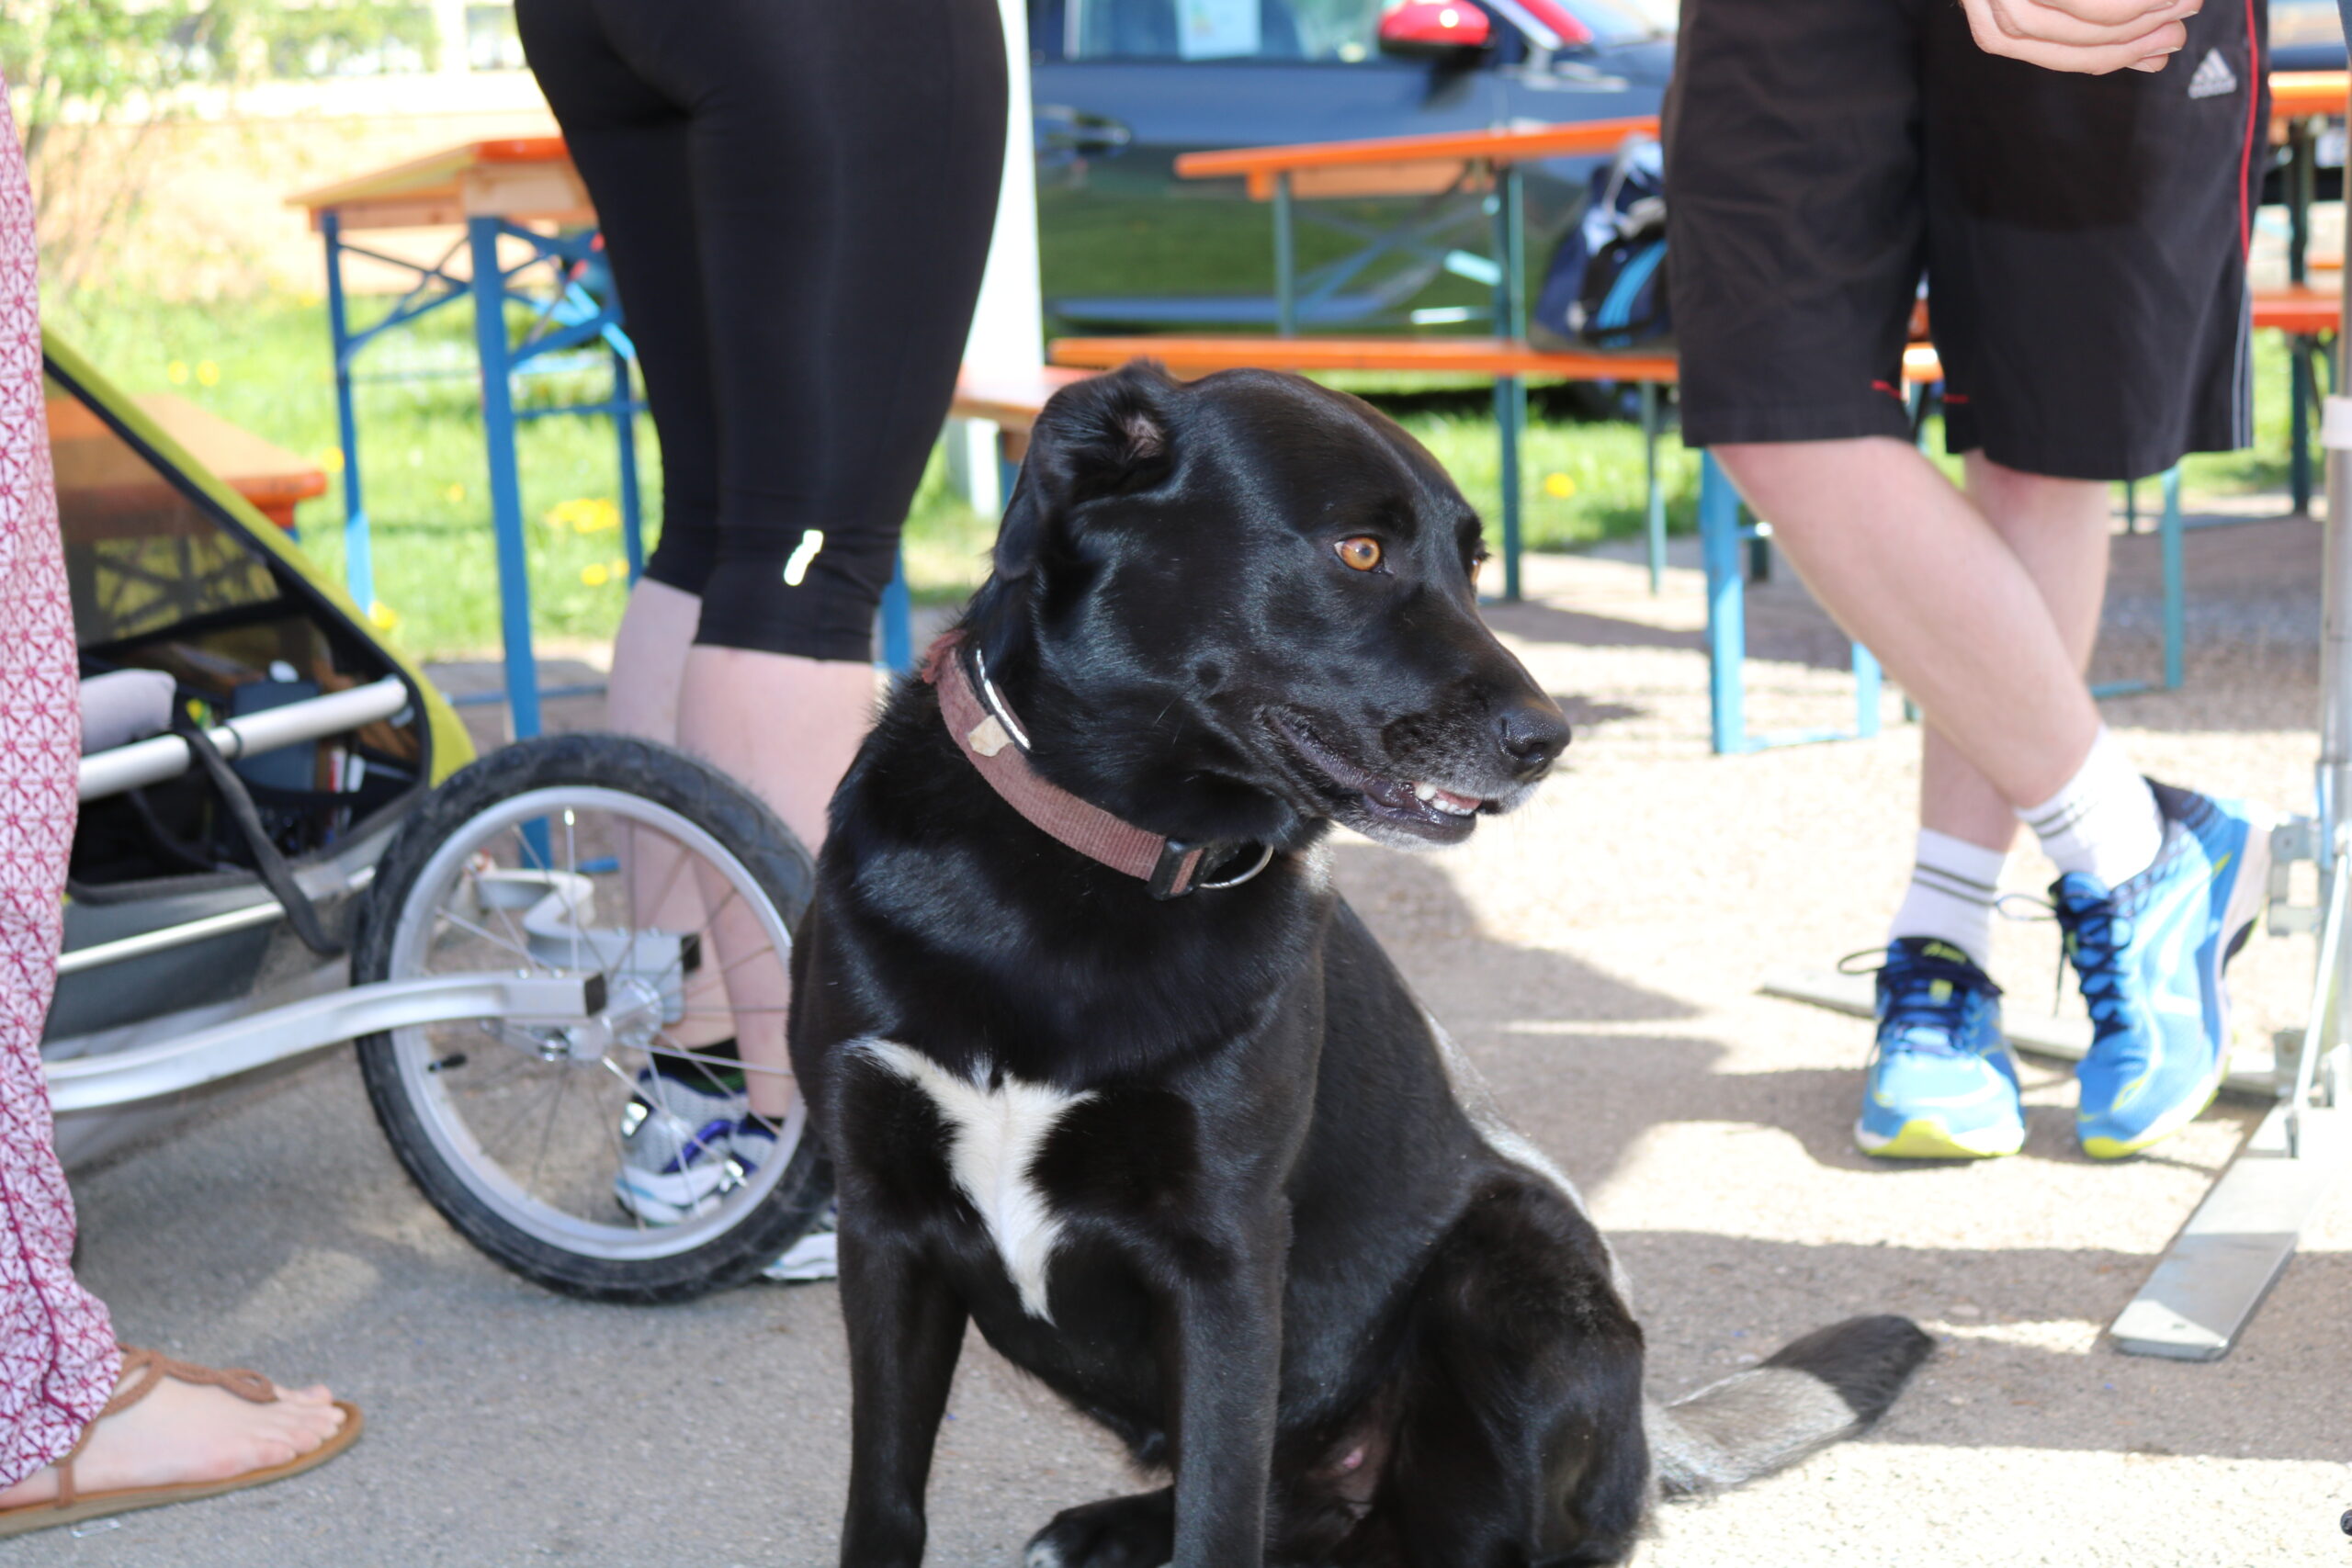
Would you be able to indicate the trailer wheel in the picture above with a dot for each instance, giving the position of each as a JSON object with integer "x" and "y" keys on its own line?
{"x": 616, "y": 1157}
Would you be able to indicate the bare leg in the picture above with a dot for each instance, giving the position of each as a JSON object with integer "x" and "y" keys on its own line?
{"x": 1921, "y": 578}
{"x": 186, "y": 1433}
{"x": 650, "y": 660}
{"x": 648, "y": 667}
{"x": 788, "y": 727}
{"x": 785, "y": 725}
{"x": 2058, "y": 531}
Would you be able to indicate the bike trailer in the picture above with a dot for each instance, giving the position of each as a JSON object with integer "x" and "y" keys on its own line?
{"x": 188, "y": 907}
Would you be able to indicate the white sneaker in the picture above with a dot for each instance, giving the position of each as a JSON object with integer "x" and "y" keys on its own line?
{"x": 677, "y": 1147}
{"x": 813, "y": 1257}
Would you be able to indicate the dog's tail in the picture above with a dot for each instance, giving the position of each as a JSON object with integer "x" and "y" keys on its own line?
{"x": 1827, "y": 1386}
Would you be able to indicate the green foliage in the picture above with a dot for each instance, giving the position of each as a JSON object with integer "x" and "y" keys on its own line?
{"x": 357, "y": 38}
{"x": 93, "y": 77}
{"x": 93, "y": 59}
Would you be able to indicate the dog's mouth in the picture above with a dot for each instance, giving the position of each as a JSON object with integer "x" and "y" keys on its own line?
{"x": 1365, "y": 799}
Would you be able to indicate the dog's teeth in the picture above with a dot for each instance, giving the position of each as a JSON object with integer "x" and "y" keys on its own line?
{"x": 1425, "y": 790}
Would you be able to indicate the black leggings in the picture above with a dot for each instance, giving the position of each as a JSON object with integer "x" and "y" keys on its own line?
{"x": 796, "y": 199}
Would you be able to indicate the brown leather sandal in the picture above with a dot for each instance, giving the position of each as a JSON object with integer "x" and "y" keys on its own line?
{"x": 143, "y": 1372}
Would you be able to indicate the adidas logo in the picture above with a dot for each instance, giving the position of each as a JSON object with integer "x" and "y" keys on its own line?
{"x": 2214, "y": 77}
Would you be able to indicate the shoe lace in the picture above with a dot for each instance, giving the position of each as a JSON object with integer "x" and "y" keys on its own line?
{"x": 1921, "y": 1015}
{"x": 2096, "y": 933}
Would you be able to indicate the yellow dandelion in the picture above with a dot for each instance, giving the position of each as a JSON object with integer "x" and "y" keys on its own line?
{"x": 583, "y": 514}
{"x": 332, "y": 459}
{"x": 176, "y": 372}
{"x": 207, "y": 374}
{"x": 619, "y": 566}
{"x": 382, "y": 616}
{"x": 594, "y": 575}
{"x": 454, "y": 494}
{"x": 1559, "y": 486}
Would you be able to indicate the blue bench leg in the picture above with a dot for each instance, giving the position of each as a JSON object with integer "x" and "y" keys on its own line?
{"x": 624, "y": 441}
{"x": 358, "y": 551}
{"x": 899, "y": 620}
{"x": 1510, "y": 422}
{"x": 1866, "y": 691}
{"x": 1653, "y": 499}
{"x": 505, "y": 483}
{"x": 2174, "y": 592}
{"x": 1726, "y": 608}
{"x": 2299, "y": 442}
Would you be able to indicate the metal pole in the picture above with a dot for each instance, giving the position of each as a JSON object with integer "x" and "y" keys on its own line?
{"x": 505, "y": 483}
{"x": 1510, "y": 391}
{"x": 624, "y": 434}
{"x": 1653, "y": 499}
{"x": 2336, "y": 646}
{"x": 2302, "y": 186}
{"x": 359, "y": 552}
{"x": 2336, "y": 664}
{"x": 1286, "y": 260}
{"x": 1726, "y": 614}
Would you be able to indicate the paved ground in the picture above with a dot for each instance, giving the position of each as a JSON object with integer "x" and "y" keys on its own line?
{"x": 1598, "y": 956}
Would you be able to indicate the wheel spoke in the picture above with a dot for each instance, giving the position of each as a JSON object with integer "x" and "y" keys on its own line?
{"x": 511, "y": 1132}
{"x": 494, "y": 938}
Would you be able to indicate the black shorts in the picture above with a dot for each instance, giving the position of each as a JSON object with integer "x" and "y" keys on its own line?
{"x": 2084, "y": 239}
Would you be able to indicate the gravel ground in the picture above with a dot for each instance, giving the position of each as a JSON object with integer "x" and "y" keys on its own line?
{"x": 1599, "y": 955}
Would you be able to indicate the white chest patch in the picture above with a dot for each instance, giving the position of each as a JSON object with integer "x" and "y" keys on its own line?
{"x": 993, "y": 1139}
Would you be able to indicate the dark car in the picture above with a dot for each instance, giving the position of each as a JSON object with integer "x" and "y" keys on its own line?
{"x": 1123, "y": 87}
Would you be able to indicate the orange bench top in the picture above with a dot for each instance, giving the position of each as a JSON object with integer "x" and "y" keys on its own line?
{"x": 1261, "y": 164}
{"x": 91, "y": 461}
{"x": 1012, "y": 401}
{"x": 1467, "y": 356}
{"x": 2299, "y": 308}
{"x": 2294, "y": 94}
{"x": 1471, "y": 355}
{"x": 518, "y": 177}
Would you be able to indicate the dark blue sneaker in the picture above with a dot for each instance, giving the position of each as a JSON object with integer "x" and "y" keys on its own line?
{"x": 2149, "y": 955}
{"x": 1942, "y": 1084}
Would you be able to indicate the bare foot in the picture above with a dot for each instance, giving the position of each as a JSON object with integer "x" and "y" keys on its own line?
{"x": 187, "y": 1433}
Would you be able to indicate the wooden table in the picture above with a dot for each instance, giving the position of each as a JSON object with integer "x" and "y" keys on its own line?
{"x": 92, "y": 461}
{"x": 516, "y": 191}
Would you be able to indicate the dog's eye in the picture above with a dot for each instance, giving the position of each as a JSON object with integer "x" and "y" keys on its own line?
{"x": 1360, "y": 552}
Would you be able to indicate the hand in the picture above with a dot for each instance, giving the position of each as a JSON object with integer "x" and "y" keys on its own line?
{"x": 2094, "y": 36}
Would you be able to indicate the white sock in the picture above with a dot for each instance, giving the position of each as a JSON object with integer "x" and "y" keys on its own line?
{"x": 1953, "y": 883}
{"x": 2105, "y": 822}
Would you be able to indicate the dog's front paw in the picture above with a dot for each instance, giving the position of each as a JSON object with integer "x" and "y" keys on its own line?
{"x": 1119, "y": 1533}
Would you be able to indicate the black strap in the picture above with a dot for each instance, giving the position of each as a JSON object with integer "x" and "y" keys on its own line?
{"x": 276, "y": 874}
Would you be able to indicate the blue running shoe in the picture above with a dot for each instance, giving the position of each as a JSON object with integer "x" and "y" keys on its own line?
{"x": 1942, "y": 1084}
{"x": 2149, "y": 955}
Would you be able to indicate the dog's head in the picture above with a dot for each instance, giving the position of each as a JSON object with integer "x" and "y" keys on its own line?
{"x": 1239, "y": 608}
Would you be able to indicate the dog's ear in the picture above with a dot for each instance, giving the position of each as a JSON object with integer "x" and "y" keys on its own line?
{"x": 1102, "y": 436}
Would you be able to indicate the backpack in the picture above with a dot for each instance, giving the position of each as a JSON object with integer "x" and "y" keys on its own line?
{"x": 1606, "y": 287}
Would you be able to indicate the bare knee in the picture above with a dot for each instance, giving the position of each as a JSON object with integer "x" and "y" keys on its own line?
{"x": 1815, "y": 486}
{"x": 2014, "y": 501}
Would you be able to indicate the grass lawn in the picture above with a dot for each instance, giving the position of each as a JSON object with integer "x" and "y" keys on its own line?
{"x": 262, "y": 363}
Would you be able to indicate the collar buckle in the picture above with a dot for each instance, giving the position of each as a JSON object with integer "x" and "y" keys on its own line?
{"x": 1178, "y": 871}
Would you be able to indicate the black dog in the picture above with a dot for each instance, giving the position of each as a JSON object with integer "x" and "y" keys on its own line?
{"x": 1161, "y": 1116}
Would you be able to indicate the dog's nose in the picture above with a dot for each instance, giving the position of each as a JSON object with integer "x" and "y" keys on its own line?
{"x": 1531, "y": 735}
